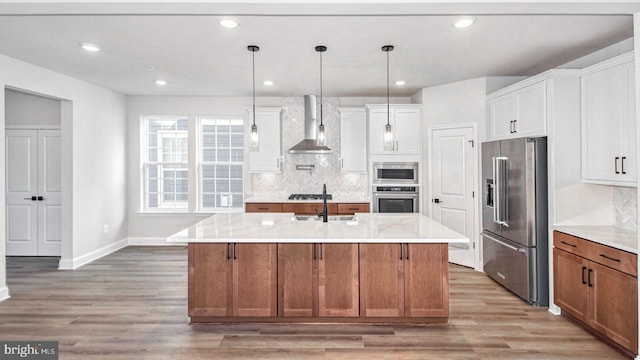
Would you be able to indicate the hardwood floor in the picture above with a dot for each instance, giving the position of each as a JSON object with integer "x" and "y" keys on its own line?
{"x": 133, "y": 305}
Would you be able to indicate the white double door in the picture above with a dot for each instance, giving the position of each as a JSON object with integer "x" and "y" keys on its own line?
{"x": 452, "y": 188}
{"x": 33, "y": 192}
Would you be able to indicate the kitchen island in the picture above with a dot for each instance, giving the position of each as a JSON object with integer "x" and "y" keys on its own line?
{"x": 271, "y": 267}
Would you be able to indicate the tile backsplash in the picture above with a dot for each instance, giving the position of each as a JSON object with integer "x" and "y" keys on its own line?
{"x": 625, "y": 208}
{"x": 326, "y": 166}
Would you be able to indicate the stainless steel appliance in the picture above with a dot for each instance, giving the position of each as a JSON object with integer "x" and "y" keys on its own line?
{"x": 395, "y": 173}
{"x": 514, "y": 216}
{"x": 395, "y": 199}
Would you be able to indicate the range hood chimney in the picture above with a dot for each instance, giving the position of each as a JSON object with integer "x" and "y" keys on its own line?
{"x": 309, "y": 144}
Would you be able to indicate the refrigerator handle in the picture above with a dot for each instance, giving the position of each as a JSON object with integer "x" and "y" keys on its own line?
{"x": 500, "y": 189}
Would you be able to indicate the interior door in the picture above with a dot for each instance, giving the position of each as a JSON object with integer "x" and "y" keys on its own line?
{"x": 452, "y": 188}
{"x": 21, "y": 191}
{"x": 33, "y": 192}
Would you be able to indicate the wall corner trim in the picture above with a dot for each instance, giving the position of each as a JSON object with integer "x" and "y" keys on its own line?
{"x": 4, "y": 293}
{"x": 72, "y": 264}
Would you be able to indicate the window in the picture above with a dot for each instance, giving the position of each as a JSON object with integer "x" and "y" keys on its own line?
{"x": 165, "y": 163}
{"x": 221, "y": 163}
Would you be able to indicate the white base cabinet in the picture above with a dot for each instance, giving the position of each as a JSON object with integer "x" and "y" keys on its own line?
{"x": 608, "y": 122}
{"x": 269, "y": 157}
{"x": 406, "y": 124}
{"x": 353, "y": 140}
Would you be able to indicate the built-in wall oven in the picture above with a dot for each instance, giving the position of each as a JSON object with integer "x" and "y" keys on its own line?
{"x": 395, "y": 187}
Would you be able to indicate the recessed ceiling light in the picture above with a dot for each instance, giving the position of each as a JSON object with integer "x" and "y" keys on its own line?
{"x": 150, "y": 68}
{"x": 400, "y": 82}
{"x": 228, "y": 23}
{"x": 464, "y": 22}
{"x": 90, "y": 47}
{"x": 161, "y": 82}
{"x": 268, "y": 83}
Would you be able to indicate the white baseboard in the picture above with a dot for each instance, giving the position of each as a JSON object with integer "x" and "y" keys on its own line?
{"x": 151, "y": 241}
{"x": 72, "y": 264}
{"x": 554, "y": 309}
{"x": 4, "y": 293}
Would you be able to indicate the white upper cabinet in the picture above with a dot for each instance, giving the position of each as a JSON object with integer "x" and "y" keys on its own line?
{"x": 608, "y": 122}
{"x": 518, "y": 113}
{"x": 406, "y": 123}
{"x": 268, "y": 158}
{"x": 353, "y": 140}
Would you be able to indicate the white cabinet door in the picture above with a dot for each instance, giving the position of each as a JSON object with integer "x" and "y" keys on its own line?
{"x": 353, "y": 140}
{"x": 608, "y": 126}
{"x": 531, "y": 111}
{"x": 33, "y": 192}
{"x": 502, "y": 115}
{"x": 406, "y": 124}
{"x": 268, "y": 158}
{"x": 408, "y": 130}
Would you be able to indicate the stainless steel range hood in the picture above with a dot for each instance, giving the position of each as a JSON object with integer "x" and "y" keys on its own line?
{"x": 309, "y": 144}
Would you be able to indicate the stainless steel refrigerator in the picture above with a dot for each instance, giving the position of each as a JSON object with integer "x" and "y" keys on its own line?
{"x": 514, "y": 216}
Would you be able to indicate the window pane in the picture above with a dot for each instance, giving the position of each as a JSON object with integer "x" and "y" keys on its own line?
{"x": 237, "y": 140}
{"x": 222, "y": 186}
{"x": 237, "y": 155}
{"x": 208, "y": 154}
{"x": 208, "y": 171}
{"x": 222, "y": 171}
{"x": 208, "y": 140}
{"x": 236, "y": 186}
{"x": 208, "y": 186}
{"x": 223, "y": 154}
{"x": 209, "y": 201}
{"x": 153, "y": 200}
{"x": 223, "y": 141}
{"x": 236, "y": 171}
{"x": 237, "y": 200}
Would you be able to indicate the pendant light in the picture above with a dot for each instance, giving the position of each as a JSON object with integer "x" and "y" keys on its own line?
{"x": 322, "y": 136}
{"x": 254, "y": 140}
{"x": 388, "y": 131}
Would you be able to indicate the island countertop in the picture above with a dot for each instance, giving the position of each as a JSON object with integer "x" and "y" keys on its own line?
{"x": 284, "y": 228}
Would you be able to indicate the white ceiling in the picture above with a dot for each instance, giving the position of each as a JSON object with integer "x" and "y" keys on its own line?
{"x": 198, "y": 57}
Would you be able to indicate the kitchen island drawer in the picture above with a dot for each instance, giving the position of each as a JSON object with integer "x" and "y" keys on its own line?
{"x": 313, "y": 208}
{"x": 263, "y": 207}
{"x": 614, "y": 258}
{"x": 572, "y": 244}
{"x": 352, "y": 208}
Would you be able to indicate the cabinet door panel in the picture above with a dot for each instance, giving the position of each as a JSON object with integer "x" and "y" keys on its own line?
{"x": 426, "y": 280}
{"x": 353, "y": 141}
{"x": 338, "y": 280}
{"x": 210, "y": 280}
{"x": 614, "y": 305}
{"x": 269, "y": 155}
{"x": 531, "y": 111}
{"x": 381, "y": 280}
{"x": 254, "y": 280}
{"x": 502, "y": 113}
{"x": 297, "y": 280}
{"x": 408, "y": 130}
{"x": 377, "y": 119}
{"x": 569, "y": 283}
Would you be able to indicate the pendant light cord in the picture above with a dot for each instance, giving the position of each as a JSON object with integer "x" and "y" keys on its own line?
{"x": 321, "y": 88}
{"x": 254, "y": 86}
{"x": 388, "y": 88}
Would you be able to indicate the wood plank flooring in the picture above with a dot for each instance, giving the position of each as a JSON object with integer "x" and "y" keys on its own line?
{"x": 132, "y": 305}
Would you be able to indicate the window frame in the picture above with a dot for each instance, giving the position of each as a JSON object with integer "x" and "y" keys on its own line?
{"x": 200, "y": 163}
{"x": 145, "y": 164}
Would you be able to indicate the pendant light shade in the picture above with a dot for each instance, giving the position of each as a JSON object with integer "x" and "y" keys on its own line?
{"x": 388, "y": 142}
{"x": 254, "y": 139}
{"x": 322, "y": 135}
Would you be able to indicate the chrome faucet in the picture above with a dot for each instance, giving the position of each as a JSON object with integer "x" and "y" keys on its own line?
{"x": 324, "y": 214}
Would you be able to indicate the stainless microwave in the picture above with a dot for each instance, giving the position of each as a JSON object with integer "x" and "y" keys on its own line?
{"x": 395, "y": 173}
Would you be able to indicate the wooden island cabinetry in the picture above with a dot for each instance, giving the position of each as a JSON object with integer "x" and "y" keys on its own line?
{"x": 597, "y": 286}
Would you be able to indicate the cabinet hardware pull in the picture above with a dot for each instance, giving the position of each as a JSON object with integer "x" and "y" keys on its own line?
{"x": 610, "y": 258}
{"x": 321, "y": 251}
{"x": 566, "y": 243}
{"x": 407, "y": 251}
{"x": 400, "y": 251}
{"x": 584, "y": 282}
{"x": 622, "y": 162}
{"x": 590, "y": 284}
{"x": 341, "y": 163}
{"x": 228, "y": 252}
{"x": 235, "y": 253}
{"x": 33, "y": 198}
{"x": 515, "y": 128}
{"x": 263, "y": 208}
{"x": 353, "y": 208}
{"x": 616, "y": 165}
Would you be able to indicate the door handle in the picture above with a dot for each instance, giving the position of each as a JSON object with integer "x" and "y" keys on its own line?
{"x": 584, "y": 269}
{"x": 616, "y": 165}
{"x": 589, "y": 278}
{"x": 437, "y": 201}
{"x": 40, "y": 198}
{"x": 622, "y": 162}
{"x": 515, "y": 128}
{"x": 407, "y": 251}
{"x": 228, "y": 251}
{"x": 400, "y": 251}
{"x": 235, "y": 253}
{"x": 33, "y": 198}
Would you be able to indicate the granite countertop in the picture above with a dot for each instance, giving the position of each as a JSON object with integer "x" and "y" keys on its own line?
{"x": 606, "y": 235}
{"x": 283, "y": 228}
{"x": 284, "y": 199}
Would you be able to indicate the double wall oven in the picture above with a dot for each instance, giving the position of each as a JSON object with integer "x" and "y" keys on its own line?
{"x": 395, "y": 187}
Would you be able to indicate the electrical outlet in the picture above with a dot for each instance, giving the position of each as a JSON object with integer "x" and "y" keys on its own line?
{"x": 105, "y": 228}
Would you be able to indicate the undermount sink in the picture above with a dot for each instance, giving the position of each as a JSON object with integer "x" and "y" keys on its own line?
{"x": 329, "y": 218}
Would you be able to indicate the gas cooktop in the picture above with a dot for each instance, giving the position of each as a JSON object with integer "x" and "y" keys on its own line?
{"x": 308, "y": 197}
